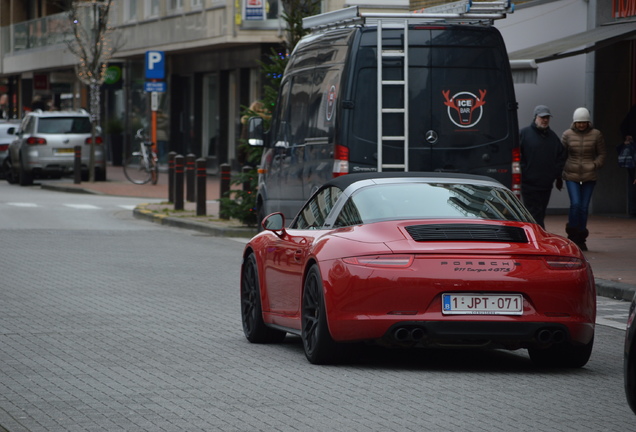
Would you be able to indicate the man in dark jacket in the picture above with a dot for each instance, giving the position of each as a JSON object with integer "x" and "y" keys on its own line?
{"x": 542, "y": 160}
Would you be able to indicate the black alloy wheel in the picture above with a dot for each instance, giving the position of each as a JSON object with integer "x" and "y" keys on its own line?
{"x": 564, "y": 355}
{"x": 255, "y": 329}
{"x": 319, "y": 346}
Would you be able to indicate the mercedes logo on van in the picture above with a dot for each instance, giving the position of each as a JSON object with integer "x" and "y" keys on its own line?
{"x": 465, "y": 108}
{"x": 431, "y": 137}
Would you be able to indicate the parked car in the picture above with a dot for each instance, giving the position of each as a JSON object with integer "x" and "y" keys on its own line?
{"x": 44, "y": 147}
{"x": 7, "y": 134}
{"x": 630, "y": 357}
{"x": 418, "y": 260}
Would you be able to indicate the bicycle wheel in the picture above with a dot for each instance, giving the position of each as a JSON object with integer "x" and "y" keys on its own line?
{"x": 136, "y": 169}
{"x": 154, "y": 169}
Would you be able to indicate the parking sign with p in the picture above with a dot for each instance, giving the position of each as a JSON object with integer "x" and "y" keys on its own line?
{"x": 155, "y": 65}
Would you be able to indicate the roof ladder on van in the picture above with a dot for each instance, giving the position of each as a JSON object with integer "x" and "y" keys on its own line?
{"x": 381, "y": 85}
{"x": 461, "y": 11}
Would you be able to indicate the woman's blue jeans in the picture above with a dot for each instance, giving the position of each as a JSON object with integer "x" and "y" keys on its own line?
{"x": 580, "y": 197}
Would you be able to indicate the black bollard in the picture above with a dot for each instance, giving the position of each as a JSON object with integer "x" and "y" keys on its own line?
{"x": 247, "y": 182}
{"x": 226, "y": 177}
{"x": 77, "y": 165}
{"x": 178, "y": 182}
{"x": 171, "y": 156}
{"x": 189, "y": 172}
{"x": 201, "y": 184}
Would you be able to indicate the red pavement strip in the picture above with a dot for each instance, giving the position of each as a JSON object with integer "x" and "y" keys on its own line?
{"x": 611, "y": 243}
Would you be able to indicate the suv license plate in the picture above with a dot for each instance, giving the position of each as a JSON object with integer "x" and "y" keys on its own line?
{"x": 65, "y": 150}
{"x": 482, "y": 304}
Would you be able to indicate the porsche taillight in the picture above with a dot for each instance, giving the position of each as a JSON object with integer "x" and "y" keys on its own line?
{"x": 516, "y": 172}
{"x": 564, "y": 263}
{"x": 340, "y": 160}
{"x": 385, "y": 261}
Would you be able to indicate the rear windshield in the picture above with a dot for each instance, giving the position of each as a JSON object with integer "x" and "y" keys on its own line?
{"x": 431, "y": 201}
{"x": 64, "y": 125}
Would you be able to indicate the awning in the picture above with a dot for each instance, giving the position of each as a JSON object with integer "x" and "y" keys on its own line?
{"x": 526, "y": 59}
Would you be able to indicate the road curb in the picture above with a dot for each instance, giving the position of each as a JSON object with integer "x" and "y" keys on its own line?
{"x": 69, "y": 189}
{"x": 212, "y": 229}
{"x": 615, "y": 290}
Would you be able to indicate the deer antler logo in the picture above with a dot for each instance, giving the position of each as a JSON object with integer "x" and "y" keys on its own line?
{"x": 463, "y": 106}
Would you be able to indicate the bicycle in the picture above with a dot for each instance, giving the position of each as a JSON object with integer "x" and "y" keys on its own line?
{"x": 141, "y": 167}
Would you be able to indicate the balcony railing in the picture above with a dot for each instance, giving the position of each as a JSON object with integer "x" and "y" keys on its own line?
{"x": 42, "y": 32}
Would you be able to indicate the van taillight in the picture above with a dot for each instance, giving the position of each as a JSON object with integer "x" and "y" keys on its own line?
{"x": 35, "y": 141}
{"x": 98, "y": 140}
{"x": 340, "y": 161}
{"x": 516, "y": 172}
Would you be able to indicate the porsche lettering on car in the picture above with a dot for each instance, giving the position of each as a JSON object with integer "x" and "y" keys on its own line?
{"x": 418, "y": 260}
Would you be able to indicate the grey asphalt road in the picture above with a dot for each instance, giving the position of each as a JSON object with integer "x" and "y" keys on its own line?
{"x": 109, "y": 323}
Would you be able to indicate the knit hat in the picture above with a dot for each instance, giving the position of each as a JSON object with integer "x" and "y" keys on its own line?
{"x": 581, "y": 115}
{"x": 542, "y": 111}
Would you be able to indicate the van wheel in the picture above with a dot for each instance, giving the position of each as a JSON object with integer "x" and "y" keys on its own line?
{"x": 260, "y": 215}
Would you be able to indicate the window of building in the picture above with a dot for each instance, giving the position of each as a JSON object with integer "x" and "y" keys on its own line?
{"x": 151, "y": 8}
{"x": 130, "y": 10}
{"x": 175, "y": 4}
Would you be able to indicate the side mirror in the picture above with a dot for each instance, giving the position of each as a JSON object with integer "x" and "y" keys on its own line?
{"x": 275, "y": 223}
{"x": 255, "y": 131}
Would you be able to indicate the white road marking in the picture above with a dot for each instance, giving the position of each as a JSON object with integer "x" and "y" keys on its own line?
{"x": 19, "y": 204}
{"x": 83, "y": 206}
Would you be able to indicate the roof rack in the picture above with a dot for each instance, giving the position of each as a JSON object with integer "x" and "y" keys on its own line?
{"x": 463, "y": 11}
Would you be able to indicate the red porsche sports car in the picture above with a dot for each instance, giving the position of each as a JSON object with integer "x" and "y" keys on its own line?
{"x": 418, "y": 260}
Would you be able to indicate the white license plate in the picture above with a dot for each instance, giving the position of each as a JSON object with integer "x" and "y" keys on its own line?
{"x": 482, "y": 304}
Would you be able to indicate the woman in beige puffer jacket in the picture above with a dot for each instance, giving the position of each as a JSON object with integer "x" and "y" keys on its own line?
{"x": 585, "y": 147}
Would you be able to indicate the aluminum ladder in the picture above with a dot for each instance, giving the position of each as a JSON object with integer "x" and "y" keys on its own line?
{"x": 382, "y": 83}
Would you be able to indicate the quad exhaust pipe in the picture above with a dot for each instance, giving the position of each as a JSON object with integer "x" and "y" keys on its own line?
{"x": 546, "y": 336}
{"x": 403, "y": 334}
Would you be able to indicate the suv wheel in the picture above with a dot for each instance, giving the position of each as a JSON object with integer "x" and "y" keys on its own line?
{"x": 25, "y": 178}
{"x": 7, "y": 168}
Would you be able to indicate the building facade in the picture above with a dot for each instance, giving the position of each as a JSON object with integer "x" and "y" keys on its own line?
{"x": 576, "y": 53}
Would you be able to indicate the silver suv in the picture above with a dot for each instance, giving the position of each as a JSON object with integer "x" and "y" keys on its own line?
{"x": 45, "y": 144}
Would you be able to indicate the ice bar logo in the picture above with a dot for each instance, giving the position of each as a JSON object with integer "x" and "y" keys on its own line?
{"x": 464, "y": 108}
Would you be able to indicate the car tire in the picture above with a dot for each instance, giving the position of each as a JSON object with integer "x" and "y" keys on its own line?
{"x": 100, "y": 174}
{"x": 318, "y": 344}
{"x": 260, "y": 215}
{"x": 565, "y": 355}
{"x": 630, "y": 377}
{"x": 7, "y": 168}
{"x": 25, "y": 178}
{"x": 254, "y": 328}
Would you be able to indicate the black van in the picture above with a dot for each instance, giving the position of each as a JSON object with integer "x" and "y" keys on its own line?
{"x": 446, "y": 103}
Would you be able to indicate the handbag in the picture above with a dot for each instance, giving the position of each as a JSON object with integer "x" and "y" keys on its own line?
{"x": 625, "y": 158}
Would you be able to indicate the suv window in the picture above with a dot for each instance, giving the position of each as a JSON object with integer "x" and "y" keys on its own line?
{"x": 64, "y": 125}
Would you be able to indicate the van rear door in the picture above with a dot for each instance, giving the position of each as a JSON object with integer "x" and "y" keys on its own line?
{"x": 461, "y": 104}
